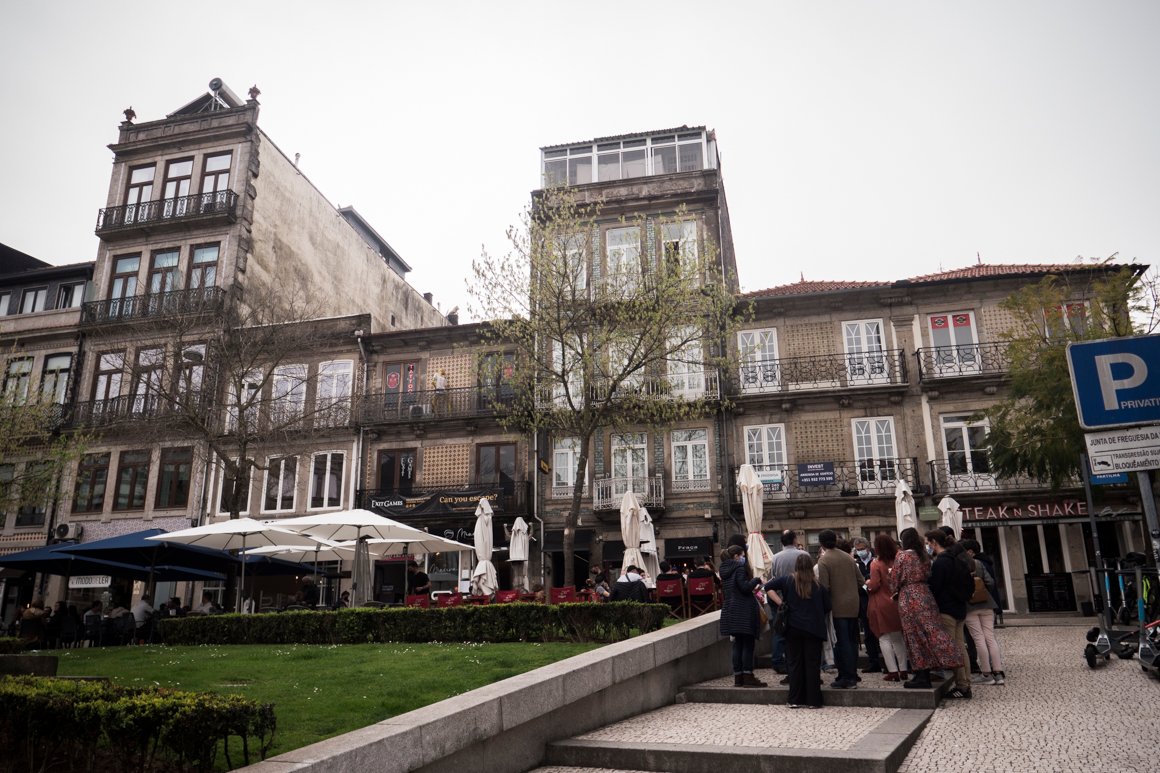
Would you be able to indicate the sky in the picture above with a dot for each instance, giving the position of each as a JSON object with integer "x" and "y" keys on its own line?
{"x": 858, "y": 140}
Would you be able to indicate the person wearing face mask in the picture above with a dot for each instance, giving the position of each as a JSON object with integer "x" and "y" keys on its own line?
{"x": 863, "y": 557}
{"x": 928, "y": 645}
{"x": 740, "y": 619}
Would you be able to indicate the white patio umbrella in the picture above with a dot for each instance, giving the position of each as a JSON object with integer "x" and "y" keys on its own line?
{"x": 753, "y": 505}
{"x": 323, "y": 551}
{"x": 234, "y": 534}
{"x": 905, "y": 512}
{"x": 518, "y": 552}
{"x": 360, "y": 575}
{"x": 951, "y": 515}
{"x": 630, "y": 531}
{"x": 483, "y": 579}
{"x": 344, "y": 525}
{"x": 420, "y": 544}
{"x": 648, "y": 547}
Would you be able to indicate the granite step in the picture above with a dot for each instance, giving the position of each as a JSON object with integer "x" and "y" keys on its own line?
{"x": 872, "y": 692}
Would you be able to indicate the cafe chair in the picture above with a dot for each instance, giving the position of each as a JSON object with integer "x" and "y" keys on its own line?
{"x": 702, "y": 596}
{"x": 418, "y": 600}
{"x": 506, "y": 596}
{"x": 562, "y": 595}
{"x": 449, "y": 600}
{"x": 672, "y": 593}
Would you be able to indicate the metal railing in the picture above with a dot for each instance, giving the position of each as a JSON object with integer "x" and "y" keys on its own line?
{"x": 179, "y": 209}
{"x": 826, "y": 371}
{"x": 967, "y": 360}
{"x": 607, "y": 493}
{"x": 844, "y": 478}
{"x": 116, "y": 410}
{"x": 432, "y": 404}
{"x": 694, "y": 385}
{"x": 950, "y": 476}
{"x": 132, "y": 308}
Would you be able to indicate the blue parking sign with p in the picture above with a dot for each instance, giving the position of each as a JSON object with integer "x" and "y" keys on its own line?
{"x": 1116, "y": 381}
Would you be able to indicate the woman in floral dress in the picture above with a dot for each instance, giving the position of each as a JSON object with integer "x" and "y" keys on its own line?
{"x": 927, "y": 644}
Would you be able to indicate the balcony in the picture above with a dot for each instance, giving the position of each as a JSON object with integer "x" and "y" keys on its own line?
{"x": 138, "y": 308}
{"x": 415, "y": 502}
{"x": 958, "y": 361}
{"x": 694, "y": 385}
{"x": 117, "y": 410}
{"x": 155, "y": 215}
{"x": 431, "y": 405}
{"x": 846, "y": 478}
{"x": 973, "y": 475}
{"x": 607, "y": 493}
{"x": 827, "y": 371}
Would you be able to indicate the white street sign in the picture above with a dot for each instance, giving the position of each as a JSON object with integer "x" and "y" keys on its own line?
{"x": 90, "y": 581}
{"x": 1124, "y": 450}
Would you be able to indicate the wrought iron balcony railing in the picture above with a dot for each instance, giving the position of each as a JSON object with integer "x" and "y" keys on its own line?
{"x": 826, "y": 371}
{"x": 966, "y": 360}
{"x": 210, "y": 206}
{"x": 844, "y": 478}
{"x": 512, "y": 498}
{"x": 693, "y": 385}
{"x": 974, "y": 474}
{"x": 117, "y": 410}
{"x": 431, "y": 404}
{"x": 607, "y": 493}
{"x": 203, "y": 300}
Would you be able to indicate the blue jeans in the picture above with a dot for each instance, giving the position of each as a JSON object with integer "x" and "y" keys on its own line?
{"x": 778, "y": 655}
{"x": 846, "y": 648}
{"x": 743, "y": 653}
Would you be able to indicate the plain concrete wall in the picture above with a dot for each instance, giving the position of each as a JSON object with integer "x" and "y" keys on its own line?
{"x": 505, "y": 727}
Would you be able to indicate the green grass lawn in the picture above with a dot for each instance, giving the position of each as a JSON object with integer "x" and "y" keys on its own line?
{"x": 320, "y": 691}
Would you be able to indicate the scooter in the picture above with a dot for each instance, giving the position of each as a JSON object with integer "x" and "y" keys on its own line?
{"x": 1149, "y": 645}
{"x": 1102, "y": 642}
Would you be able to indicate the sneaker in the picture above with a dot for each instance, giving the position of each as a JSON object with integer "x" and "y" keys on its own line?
{"x": 838, "y": 684}
{"x": 813, "y": 707}
{"x": 982, "y": 678}
{"x": 1000, "y": 679}
{"x": 796, "y": 706}
{"x": 959, "y": 693}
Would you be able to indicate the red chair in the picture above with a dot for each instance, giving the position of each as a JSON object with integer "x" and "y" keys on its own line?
{"x": 562, "y": 595}
{"x": 702, "y": 595}
{"x": 478, "y": 601}
{"x": 672, "y": 592}
{"x": 449, "y": 600}
{"x": 419, "y": 600}
{"x": 506, "y": 596}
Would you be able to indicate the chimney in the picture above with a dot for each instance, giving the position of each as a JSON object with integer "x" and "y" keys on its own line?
{"x": 429, "y": 297}
{"x": 453, "y": 316}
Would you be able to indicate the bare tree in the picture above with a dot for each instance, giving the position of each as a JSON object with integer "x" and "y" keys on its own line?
{"x": 635, "y": 337}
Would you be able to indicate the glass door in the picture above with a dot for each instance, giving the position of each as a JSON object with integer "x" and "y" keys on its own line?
{"x": 865, "y": 353}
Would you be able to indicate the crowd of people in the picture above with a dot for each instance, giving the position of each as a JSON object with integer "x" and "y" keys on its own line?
{"x": 922, "y": 605}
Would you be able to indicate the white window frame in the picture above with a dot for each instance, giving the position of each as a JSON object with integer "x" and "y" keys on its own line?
{"x": 339, "y": 485}
{"x": 281, "y": 470}
{"x": 970, "y": 479}
{"x": 686, "y": 365}
{"x": 765, "y": 450}
{"x": 59, "y": 385}
{"x": 248, "y": 402}
{"x": 568, "y": 386}
{"x": 623, "y": 270}
{"x": 682, "y": 234}
{"x": 624, "y": 447}
{"x": 565, "y": 451}
{"x": 760, "y": 368}
{"x": 954, "y": 357}
{"x": 684, "y": 443}
{"x": 70, "y": 295}
{"x": 1065, "y": 313}
{"x": 573, "y": 254}
{"x": 221, "y": 482}
{"x": 288, "y": 391}
{"x": 334, "y": 388}
{"x": 38, "y": 297}
{"x": 865, "y": 351}
{"x": 878, "y": 471}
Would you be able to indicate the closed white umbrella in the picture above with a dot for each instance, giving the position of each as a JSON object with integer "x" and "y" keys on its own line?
{"x": 951, "y": 515}
{"x": 648, "y": 547}
{"x": 905, "y": 512}
{"x": 518, "y": 552}
{"x": 360, "y": 575}
{"x": 234, "y": 534}
{"x": 483, "y": 579}
{"x": 630, "y": 531}
{"x": 753, "y": 505}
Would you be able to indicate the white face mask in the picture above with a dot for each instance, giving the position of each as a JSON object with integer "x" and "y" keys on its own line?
{"x": 863, "y": 554}
{"x": 929, "y": 550}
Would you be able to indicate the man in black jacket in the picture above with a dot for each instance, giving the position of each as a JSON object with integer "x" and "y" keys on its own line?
{"x": 948, "y": 581}
{"x": 630, "y": 587}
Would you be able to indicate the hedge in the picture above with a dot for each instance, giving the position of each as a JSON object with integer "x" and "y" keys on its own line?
{"x": 57, "y": 724}
{"x": 607, "y": 622}
{"x": 12, "y": 645}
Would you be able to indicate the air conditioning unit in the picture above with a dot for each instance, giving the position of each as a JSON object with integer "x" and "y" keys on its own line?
{"x": 69, "y": 530}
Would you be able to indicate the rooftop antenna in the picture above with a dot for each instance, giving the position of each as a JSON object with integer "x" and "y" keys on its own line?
{"x": 803, "y": 276}
{"x": 215, "y": 86}
{"x": 978, "y": 259}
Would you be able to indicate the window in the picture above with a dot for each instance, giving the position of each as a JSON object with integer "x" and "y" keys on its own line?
{"x": 690, "y": 459}
{"x": 215, "y": 181}
{"x": 968, "y": 462}
{"x": 496, "y": 465}
{"x": 679, "y": 246}
{"x": 953, "y": 337}
{"x": 574, "y": 255}
{"x": 147, "y": 377}
{"x": 107, "y": 384}
{"x": 568, "y": 375}
{"x": 677, "y": 154}
{"x": 173, "y": 477}
{"x": 565, "y": 453}
{"x": 629, "y": 460}
{"x": 332, "y": 399}
{"x": 163, "y": 272}
{"x": 34, "y": 300}
{"x": 132, "y": 479}
{"x": 5, "y": 304}
{"x": 281, "y": 481}
{"x": 123, "y": 286}
{"x": 760, "y": 368}
{"x": 397, "y": 470}
{"x": 92, "y": 478}
{"x": 1067, "y": 321}
{"x": 191, "y": 373}
{"x": 865, "y": 357}
{"x": 70, "y": 296}
{"x": 686, "y": 366}
{"x": 177, "y": 177}
{"x": 496, "y": 370}
{"x": 623, "y": 250}
{"x": 228, "y": 487}
{"x": 568, "y": 166}
{"x": 139, "y": 193}
{"x": 765, "y": 450}
{"x": 17, "y": 378}
{"x": 203, "y": 267}
{"x": 622, "y": 356}
{"x": 54, "y": 378}
{"x": 621, "y": 160}
{"x": 326, "y": 480}
{"x": 35, "y": 483}
{"x": 875, "y": 454}
{"x": 289, "y": 395}
{"x": 7, "y": 475}
{"x": 243, "y": 400}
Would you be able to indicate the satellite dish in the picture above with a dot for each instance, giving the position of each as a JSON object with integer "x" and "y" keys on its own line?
{"x": 215, "y": 84}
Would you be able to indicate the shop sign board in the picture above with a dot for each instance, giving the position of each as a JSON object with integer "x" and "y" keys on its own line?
{"x": 1124, "y": 450}
{"x": 90, "y": 581}
{"x": 816, "y": 474}
{"x": 1067, "y": 508}
{"x": 1116, "y": 381}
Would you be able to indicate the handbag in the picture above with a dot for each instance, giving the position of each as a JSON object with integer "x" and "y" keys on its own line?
{"x": 762, "y": 615}
{"x": 781, "y": 620}
{"x": 980, "y": 593}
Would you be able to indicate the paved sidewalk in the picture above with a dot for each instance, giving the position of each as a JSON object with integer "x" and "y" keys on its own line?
{"x": 1054, "y": 715}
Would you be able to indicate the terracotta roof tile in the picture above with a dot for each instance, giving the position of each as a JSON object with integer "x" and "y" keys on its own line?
{"x": 987, "y": 270}
{"x": 811, "y": 287}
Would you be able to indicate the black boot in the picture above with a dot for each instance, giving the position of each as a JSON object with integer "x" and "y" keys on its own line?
{"x": 738, "y": 680}
{"x": 920, "y": 680}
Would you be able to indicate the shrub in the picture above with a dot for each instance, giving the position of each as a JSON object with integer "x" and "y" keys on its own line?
{"x": 12, "y": 645}
{"x": 582, "y": 622}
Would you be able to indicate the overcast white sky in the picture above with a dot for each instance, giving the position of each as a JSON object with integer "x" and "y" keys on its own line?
{"x": 858, "y": 140}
